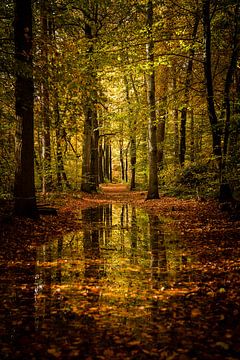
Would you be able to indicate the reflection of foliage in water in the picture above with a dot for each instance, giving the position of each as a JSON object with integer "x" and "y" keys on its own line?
{"x": 113, "y": 268}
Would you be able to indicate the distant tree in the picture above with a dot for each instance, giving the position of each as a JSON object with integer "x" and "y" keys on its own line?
{"x": 24, "y": 190}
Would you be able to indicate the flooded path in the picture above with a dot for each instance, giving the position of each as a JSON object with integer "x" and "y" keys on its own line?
{"x": 124, "y": 287}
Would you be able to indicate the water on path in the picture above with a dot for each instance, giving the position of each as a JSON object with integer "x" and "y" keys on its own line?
{"x": 118, "y": 289}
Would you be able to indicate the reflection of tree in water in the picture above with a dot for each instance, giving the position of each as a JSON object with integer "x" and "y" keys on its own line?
{"x": 91, "y": 242}
{"x": 159, "y": 273}
{"x": 17, "y": 327}
{"x": 134, "y": 236}
{"x": 60, "y": 309}
{"x": 92, "y": 236}
{"x": 107, "y": 221}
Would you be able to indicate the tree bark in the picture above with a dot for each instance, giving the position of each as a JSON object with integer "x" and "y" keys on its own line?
{"x": 215, "y": 127}
{"x": 24, "y": 190}
{"x": 192, "y": 138}
{"x": 175, "y": 117}
{"x": 90, "y": 175}
{"x": 100, "y": 161}
{"x": 161, "y": 137}
{"x": 188, "y": 80}
{"x": 132, "y": 130}
{"x": 47, "y": 180}
{"x": 152, "y": 131}
{"x": 214, "y": 122}
{"x": 229, "y": 79}
{"x": 121, "y": 159}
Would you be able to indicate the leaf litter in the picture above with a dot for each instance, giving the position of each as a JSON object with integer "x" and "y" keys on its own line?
{"x": 112, "y": 309}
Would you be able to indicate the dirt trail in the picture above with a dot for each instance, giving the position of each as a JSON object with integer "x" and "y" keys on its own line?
{"x": 117, "y": 193}
{"x": 192, "y": 216}
{"x": 114, "y": 188}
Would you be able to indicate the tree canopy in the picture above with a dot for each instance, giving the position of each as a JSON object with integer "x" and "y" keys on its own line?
{"x": 145, "y": 92}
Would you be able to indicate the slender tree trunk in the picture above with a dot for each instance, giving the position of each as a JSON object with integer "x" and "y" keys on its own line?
{"x": 152, "y": 131}
{"x": 161, "y": 137}
{"x": 24, "y": 190}
{"x": 110, "y": 162}
{"x": 100, "y": 151}
{"x": 192, "y": 138}
{"x": 216, "y": 131}
{"x": 162, "y": 80}
{"x": 61, "y": 174}
{"x": 121, "y": 159}
{"x": 46, "y": 138}
{"x": 229, "y": 79}
{"x": 100, "y": 161}
{"x": 133, "y": 157}
{"x": 126, "y": 162}
{"x": 132, "y": 130}
{"x": 234, "y": 136}
{"x": 133, "y": 140}
{"x": 107, "y": 160}
{"x": 225, "y": 191}
{"x": 188, "y": 80}
{"x": 86, "y": 151}
{"x": 94, "y": 151}
{"x": 175, "y": 117}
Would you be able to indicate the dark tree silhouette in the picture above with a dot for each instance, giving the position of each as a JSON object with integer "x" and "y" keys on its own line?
{"x": 24, "y": 191}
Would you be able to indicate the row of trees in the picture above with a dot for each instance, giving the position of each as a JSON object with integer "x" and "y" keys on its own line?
{"x": 121, "y": 90}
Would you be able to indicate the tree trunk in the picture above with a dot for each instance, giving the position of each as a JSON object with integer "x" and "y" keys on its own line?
{"x": 100, "y": 161}
{"x": 90, "y": 181}
{"x": 192, "y": 138}
{"x": 161, "y": 138}
{"x": 133, "y": 146}
{"x": 126, "y": 163}
{"x": 86, "y": 157}
{"x": 229, "y": 80}
{"x": 94, "y": 151}
{"x": 132, "y": 130}
{"x": 110, "y": 162}
{"x": 175, "y": 117}
{"x": 61, "y": 174}
{"x": 107, "y": 161}
{"x": 24, "y": 190}
{"x": 46, "y": 138}
{"x": 215, "y": 127}
{"x": 188, "y": 80}
{"x": 152, "y": 131}
{"x": 121, "y": 159}
{"x": 133, "y": 156}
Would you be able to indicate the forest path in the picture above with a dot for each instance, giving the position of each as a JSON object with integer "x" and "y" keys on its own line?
{"x": 114, "y": 188}
{"x": 119, "y": 192}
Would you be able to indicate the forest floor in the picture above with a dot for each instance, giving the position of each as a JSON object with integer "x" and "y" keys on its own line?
{"x": 193, "y": 216}
{"x": 201, "y": 319}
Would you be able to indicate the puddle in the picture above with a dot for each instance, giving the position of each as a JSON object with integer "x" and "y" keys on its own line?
{"x": 97, "y": 293}
{"x": 125, "y": 287}
{"x": 121, "y": 248}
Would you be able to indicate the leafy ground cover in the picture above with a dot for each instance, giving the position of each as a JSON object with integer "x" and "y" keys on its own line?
{"x": 194, "y": 316}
